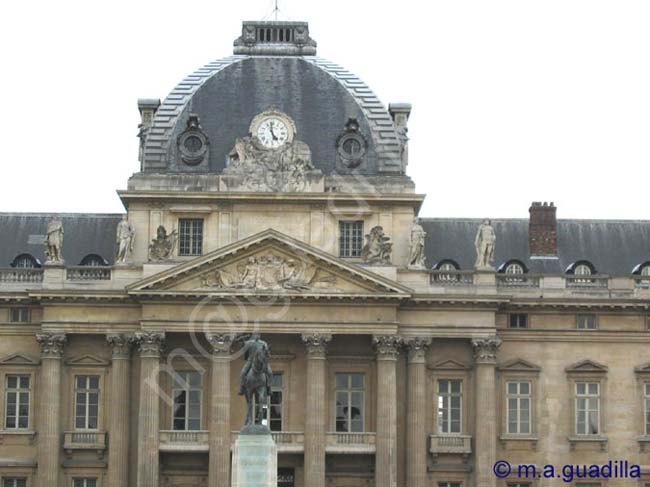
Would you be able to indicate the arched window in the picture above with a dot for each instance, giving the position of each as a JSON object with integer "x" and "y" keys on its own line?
{"x": 447, "y": 266}
{"x": 645, "y": 270}
{"x": 93, "y": 260}
{"x": 582, "y": 270}
{"x": 25, "y": 261}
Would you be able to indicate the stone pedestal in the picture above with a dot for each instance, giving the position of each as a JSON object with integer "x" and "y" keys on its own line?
{"x": 255, "y": 458}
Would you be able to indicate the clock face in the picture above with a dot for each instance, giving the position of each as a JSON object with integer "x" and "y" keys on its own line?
{"x": 273, "y": 132}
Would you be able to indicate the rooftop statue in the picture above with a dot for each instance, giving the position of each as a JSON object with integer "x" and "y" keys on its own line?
{"x": 378, "y": 247}
{"x": 54, "y": 241}
{"x": 255, "y": 378}
{"x": 416, "y": 250}
{"x": 125, "y": 237}
{"x": 162, "y": 247}
{"x": 485, "y": 243}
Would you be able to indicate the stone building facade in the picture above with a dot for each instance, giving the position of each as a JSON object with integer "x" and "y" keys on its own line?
{"x": 273, "y": 197}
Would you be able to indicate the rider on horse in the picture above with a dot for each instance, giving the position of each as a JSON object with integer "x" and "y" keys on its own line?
{"x": 250, "y": 346}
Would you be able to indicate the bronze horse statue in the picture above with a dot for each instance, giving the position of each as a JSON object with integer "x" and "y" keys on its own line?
{"x": 256, "y": 379}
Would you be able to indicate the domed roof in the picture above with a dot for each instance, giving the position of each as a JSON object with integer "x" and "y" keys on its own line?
{"x": 320, "y": 97}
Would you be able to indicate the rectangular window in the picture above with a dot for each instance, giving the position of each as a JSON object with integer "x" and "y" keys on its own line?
{"x": 518, "y": 484}
{"x": 17, "y": 398}
{"x": 273, "y": 414}
{"x": 587, "y": 408}
{"x": 84, "y": 482}
{"x": 190, "y": 236}
{"x": 518, "y": 320}
{"x": 586, "y": 322}
{"x": 350, "y": 403}
{"x": 646, "y": 406}
{"x": 187, "y": 393}
{"x": 450, "y": 393}
{"x": 350, "y": 238}
{"x": 14, "y": 482}
{"x": 86, "y": 402}
{"x": 449, "y": 484}
{"x": 518, "y": 397}
{"x": 20, "y": 315}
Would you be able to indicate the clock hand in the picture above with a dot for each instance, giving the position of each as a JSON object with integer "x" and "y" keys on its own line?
{"x": 272, "y": 133}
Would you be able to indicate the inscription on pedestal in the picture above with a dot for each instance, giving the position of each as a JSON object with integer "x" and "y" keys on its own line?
{"x": 255, "y": 461}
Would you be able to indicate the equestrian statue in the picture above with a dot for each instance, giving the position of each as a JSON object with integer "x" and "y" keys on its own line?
{"x": 255, "y": 379}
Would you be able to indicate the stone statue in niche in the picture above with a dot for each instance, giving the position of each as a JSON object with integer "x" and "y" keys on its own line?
{"x": 125, "y": 237}
{"x": 162, "y": 247}
{"x": 271, "y": 273}
{"x": 485, "y": 243}
{"x": 54, "y": 241}
{"x": 416, "y": 250}
{"x": 378, "y": 247}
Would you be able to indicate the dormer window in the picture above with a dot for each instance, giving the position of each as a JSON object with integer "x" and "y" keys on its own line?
{"x": 645, "y": 270}
{"x": 93, "y": 260}
{"x": 25, "y": 261}
{"x": 445, "y": 266}
{"x": 515, "y": 268}
{"x": 582, "y": 270}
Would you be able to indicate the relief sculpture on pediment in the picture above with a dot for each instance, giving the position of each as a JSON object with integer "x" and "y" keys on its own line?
{"x": 270, "y": 273}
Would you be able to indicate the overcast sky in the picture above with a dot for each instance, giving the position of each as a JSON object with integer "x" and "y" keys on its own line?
{"x": 513, "y": 101}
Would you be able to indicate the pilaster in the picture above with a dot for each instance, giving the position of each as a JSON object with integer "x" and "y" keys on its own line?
{"x": 315, "y": 404}
{"x": 387, "y": 348}
{"x": 485, "y": 356}
{"x": 150, "y": 345}
{"x": 49, "y": 428}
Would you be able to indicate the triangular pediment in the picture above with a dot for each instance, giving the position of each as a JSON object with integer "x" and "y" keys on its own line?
{"x": 18, "y": 359}
{"x": 587, "y": 366}
{"x": 269, "y": 263}
{"x": 87, "y": 361}
{"x": 449, "y": 365}
{"x": 519, "y": 365}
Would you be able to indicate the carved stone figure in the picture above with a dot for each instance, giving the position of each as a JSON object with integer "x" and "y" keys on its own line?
{"x": 416, "y": 249}
{"x": 125, "y": 237}
{"x": 282, "y": 169}
{"x": 485, "y": 244}
{"x": 255, "y": 378}
{"x": 378, "y": 247}
{"x": 270, "y": 273}
{"x": 162, "y": 247}
{"x": 54, "y": 241}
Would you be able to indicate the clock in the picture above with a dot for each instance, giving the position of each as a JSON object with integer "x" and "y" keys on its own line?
{"x": 273, "y": 129}
{"x": 273, "y": 132}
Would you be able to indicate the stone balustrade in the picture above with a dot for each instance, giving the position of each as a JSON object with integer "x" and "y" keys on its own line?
{"x": 450, "y": 444}
{"x": 21, "y": 275}
{"x": 183, "y": 441}
{"x": 84, "y": 440}
{"x": 352, "y": 443}
{"x": 88, "y": 273}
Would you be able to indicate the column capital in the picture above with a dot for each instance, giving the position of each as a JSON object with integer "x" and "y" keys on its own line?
{"x": 387, "y": 346}
{"x": 51, "y": 344}
{"x": 316, "y": 344}
{"x": 221, "y": 343}
{"x": 417, "y": 348}
{"x": 150, "y": 343}
{"x": 485, "y": 349}
{"x": 120, "y": 344}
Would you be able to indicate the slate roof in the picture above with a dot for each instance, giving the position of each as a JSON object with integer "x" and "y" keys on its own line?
{"x": 320, "y": 96}
{"x": 614, "y": 247}
{"x": 23, "y": 233}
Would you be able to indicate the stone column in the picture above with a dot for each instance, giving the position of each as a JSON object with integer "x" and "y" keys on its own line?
{"x": 150, "y": 345}
{"x": 219, "y": 419}
{"x": 485, "y": 354}
{"x": 49, "y": 409}
{"x": 416, "y": 424}
{"x": 387, "y": 348}
{"x": 119, "y": 419}
{"x": 316, "y": 408}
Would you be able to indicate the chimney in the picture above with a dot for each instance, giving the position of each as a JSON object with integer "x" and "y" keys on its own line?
{"x": 400, "y": 113}
{"x": 542, "y": 230}
{"x": 148, "y": 108}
